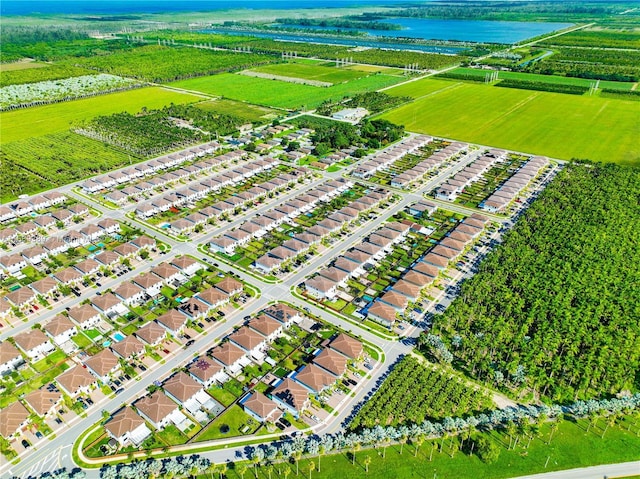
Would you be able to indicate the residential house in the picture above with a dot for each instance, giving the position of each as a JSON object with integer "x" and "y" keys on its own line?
{"x": 12, "y": 263}
{"x": 230, "y": 286}
{"x": 128, "y": 348}
{"x": 103, "y": 364}
{"x": 127, "y": 426}
{"x": 345, "y": 344}
{"x": 34, "y": 343}
{"x": 85, "y": 316}
{"x": 151, "y": 333}
{"x": 21, "y": 297}
{"x": 314, "y": 378}
{"x": 43, "y": 401}
{"x": 74, "y": 381}
{"x": 331, "y": 361}
{"x": 187, "y": 265}
{"x": 250, "y": 341}
{"x": 13, "y": 419}
{"x": 260, "y": 407}
{"x": 408, "y": 289}
{"x": 87, "y": 267}
{"x": 45, "y": 287}
{"x": 169, "y": 274}
{"x": 181, "y": 387}
{"x": 291, "y": 396}
{"x": 206, "y": 372}
{"x": 382, "y": 313}
{"x": 130, "y": 293}
{"x": 321, "y": 287}
{"x": 60, "y": 329}
{"x": 267, "y": 326}
{"x": 213, "y": 297}
{"x": 35, "y": 254}
{"x": 231, "y": 357}
{"x": 10, "y": 358}
{"x": 194, "y": 308}
{"x": 109, "y": 305}
{"x": 150, "y": 283}
{"x": 158, "y": 409}
{"x": 173, "y": 321}
{"x": 283, "y": 313}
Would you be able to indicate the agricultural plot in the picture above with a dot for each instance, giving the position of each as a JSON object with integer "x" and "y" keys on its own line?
{"x": 54, "y": 160}
{"x": 311, "y": 72}
{"x": 20, "y": 65}
{"x": 247, "y": 112}
{"x": 597, "y": 37}
{"x": 281, "y": 94}
{"x": 23, "y": 124}
{"x": 537, "y": 122}
{"x": 479, "y": 75}
{"x": 50, "y": 91}
{"x": 39, "y": 72}
{"x": 441, "y": 394}
{"x": 159, "y": 64}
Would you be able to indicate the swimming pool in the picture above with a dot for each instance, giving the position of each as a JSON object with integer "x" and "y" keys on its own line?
{"x": 118, "y": 336}
{"x": 367, "y": 298}
{"x": 106, "y": 344}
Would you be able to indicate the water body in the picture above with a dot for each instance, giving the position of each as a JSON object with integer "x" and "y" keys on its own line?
{"x": 461, "y": 30}
{"x": 92, "y": 7}
{"x": 345, "y": 41}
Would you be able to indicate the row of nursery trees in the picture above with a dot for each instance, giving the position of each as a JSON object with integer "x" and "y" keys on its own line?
{"x": 379, "y": 437}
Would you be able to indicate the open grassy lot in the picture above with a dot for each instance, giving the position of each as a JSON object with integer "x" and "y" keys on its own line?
{"x": 557, "y": 125}
{"x": 278, "y": 93}
{"x": 246, "y": 111}
{"x": 311, "y": 72}
{"x": 420, "y": 88}
{"x": 570, "y": 447}
{"x": 26, "y": 123}
{"x": 233, "y": 422}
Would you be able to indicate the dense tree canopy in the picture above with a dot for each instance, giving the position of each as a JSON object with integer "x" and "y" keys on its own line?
{"x": 556, "y": 308}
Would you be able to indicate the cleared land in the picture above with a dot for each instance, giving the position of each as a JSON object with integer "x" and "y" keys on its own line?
{"x": 281, "y": 94}
{"x": 557, "y": 125}
{"x": 311, "y": 72}
{"x": 30, "y": 122}
{"x": 22, "y": 65}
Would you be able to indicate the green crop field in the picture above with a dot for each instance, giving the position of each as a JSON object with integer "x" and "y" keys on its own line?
{"x": 311, "y": 72}
{"x": 557, "y": 125}
{"x": 480, "y": 74}
{"x": 278, "y": 93}
{"x": 26, "y": 123}
{"x": 246, "y": 111}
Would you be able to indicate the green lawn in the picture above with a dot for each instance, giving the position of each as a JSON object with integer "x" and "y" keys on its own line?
{"x": 9, "y": 67}
{"x": 557, "y": 125}
{"x": 235, "y": 419}
{"x": 28, "y": 122}
{"x": 51, "y": 360}
{"x": 311, "y": 72}
{"x": 223, "y": 396}
{"x": 278, "y": 93}
{"x": 570, "y": 447}
{"x": 171, "y": 435}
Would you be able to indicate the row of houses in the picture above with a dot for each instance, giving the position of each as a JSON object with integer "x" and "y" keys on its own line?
{"x": 301, "y": 242}
{"x": 13, "y": 263}
{"x": 240, "y": 200}
{"x": 198, "y": 190}
{"x": 428, "y": 164}
{"x": 511, "y": 188}
{"x": 260, "y": 225}
{"x": 469, "y": 174}
{"x": 409, "y": 287}
{"x": 386, "y": 157}
{"x": 11, "y": 211}
{"x": 148, "y": 168}
{"x": 32, "y": 229}
{"x": 352, "y": 264}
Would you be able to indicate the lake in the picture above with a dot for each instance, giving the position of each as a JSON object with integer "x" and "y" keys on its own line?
{"x": 461, "y": 30}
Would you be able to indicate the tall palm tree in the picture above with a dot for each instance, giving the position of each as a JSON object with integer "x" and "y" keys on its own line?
{"x": 242, "y": 470}
{"x": 367, "y": 461}
{"x": 355, "y": 448}
{"x": 311, "y": 466}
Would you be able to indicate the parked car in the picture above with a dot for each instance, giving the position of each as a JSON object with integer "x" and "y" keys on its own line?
{"x": 25, "y": 443}
{"x": 189, "y": 343}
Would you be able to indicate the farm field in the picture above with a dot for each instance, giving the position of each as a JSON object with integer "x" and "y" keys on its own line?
{"x": 280, "y": 94}
{"x": 31, "y": 122}
{"x": 43, "y": 162}
{"x": 545, "y": 78}
{"x": 311, "y": 72}
{"x": 246, "y": 111}
{"x": 530, "y": 121}
{"x": 20, "y": 65}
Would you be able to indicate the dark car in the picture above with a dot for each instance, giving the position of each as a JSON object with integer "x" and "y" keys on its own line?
{"x": 143, "y": 367}
{"x": 189, "y": 343}
{"x": 186, "y": 336}
{"x": 221, "y": 313}
{"x": 25, "y": 443}
{"x": 118, "y": 391}
{"x": 285, "y": 422}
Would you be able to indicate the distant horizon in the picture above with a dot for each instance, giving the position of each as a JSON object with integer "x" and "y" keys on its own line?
{"x": 35, "y": 7}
